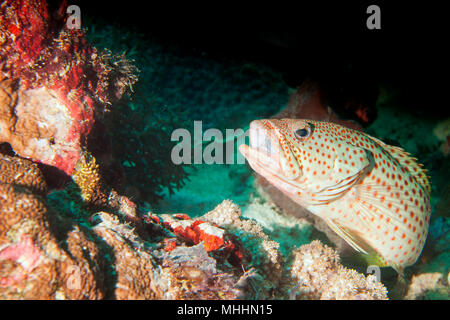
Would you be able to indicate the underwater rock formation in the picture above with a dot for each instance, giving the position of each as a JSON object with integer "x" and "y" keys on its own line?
{"x": 320, "y": 275}
{"x": 265, "y": 256}
{"x": 53, "y": 252}
{"x": 46, "y": 254}
{"x": 190, "y": 273}
{"x": 49, "y": 254}
{"x": 47, "y": 66}
{"x": 236, "y": 245}
{"x": 134, "y": 268}
{"x": 32, "y": 263}
{"x": 426, "y": 284}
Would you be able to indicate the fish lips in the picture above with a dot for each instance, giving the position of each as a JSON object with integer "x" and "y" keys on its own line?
{"x": 264, "y": 148}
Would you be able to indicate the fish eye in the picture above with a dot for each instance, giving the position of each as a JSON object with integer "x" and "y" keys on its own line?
{"x": 303, "y": 133}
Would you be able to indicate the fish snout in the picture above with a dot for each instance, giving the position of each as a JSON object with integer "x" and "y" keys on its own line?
{"x": 261, "y": 138}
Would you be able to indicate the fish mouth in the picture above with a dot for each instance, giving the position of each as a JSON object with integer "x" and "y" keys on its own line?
{"x": 264, "y": 149}
{"x": 264, "y": 156}
{"x": 261, "y": 139}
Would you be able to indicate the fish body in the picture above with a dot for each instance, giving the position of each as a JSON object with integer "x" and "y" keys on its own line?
{"x": 375, "y": 196}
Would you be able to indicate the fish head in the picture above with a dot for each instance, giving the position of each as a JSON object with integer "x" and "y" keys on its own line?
{"x": 301, "y": 157}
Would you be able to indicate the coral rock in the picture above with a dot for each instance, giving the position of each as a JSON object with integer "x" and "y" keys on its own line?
{"x": 46, "y": 66}
{"x": 320, "y": 275}
{"x": 32, "y": 263}
{"x": 134, "y": 267}
{"x": 21, "y": 172}
{"x": 264, "y": 252}
{"x": 48, "y": 137}
{"x": 194, "y": 231}
{"x": 190, "y": 273}
{"x": 424, "y": 283}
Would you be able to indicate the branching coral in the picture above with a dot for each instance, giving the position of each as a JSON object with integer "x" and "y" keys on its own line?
{"x": 320, "y": 275}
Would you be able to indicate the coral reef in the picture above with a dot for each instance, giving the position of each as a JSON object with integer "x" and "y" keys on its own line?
{"x": 236, "y": 244}
{"x": 278, "y": 224}
{"x": 49, "y": 252}
{"x": 190, "y": 273}
{"x": 32, "y": 264}
{"x": 266, "y": 259}
{"x": 134, "y": 268}
{"x": 46, "y": 66}
{"x": 21, "y": 172}
{"x": 52, "y": 252}
{"x": 320, "y": 275}
{"x": 426, "y": 284}
{"x": 195, "y": 231}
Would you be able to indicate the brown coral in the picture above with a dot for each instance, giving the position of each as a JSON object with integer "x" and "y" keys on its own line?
{"x": 320, "y": 275}
{"x": 32, "y": 263}
{"x": 41, "y": 261}
{"x": 135, "y": 268}
{"x": 45, "y": 255}
{"x": 21, "y": 172}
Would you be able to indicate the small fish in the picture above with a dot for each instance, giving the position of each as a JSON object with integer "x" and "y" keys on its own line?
{"x": 373, "y": 195}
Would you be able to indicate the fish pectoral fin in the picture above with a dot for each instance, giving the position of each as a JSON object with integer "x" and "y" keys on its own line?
{"x": 357, "y": 242}
{"x": 349, "y": 236}
{"x": 392, "y": 209}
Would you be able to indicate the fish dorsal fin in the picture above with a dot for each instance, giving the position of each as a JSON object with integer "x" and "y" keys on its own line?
{"x": 408, "y": 162}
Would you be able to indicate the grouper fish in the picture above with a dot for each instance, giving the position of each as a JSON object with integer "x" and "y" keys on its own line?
{"x": 373, "y": 195}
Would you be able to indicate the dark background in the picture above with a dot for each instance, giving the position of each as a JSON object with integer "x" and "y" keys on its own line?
{"x": 324, "y": 41}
